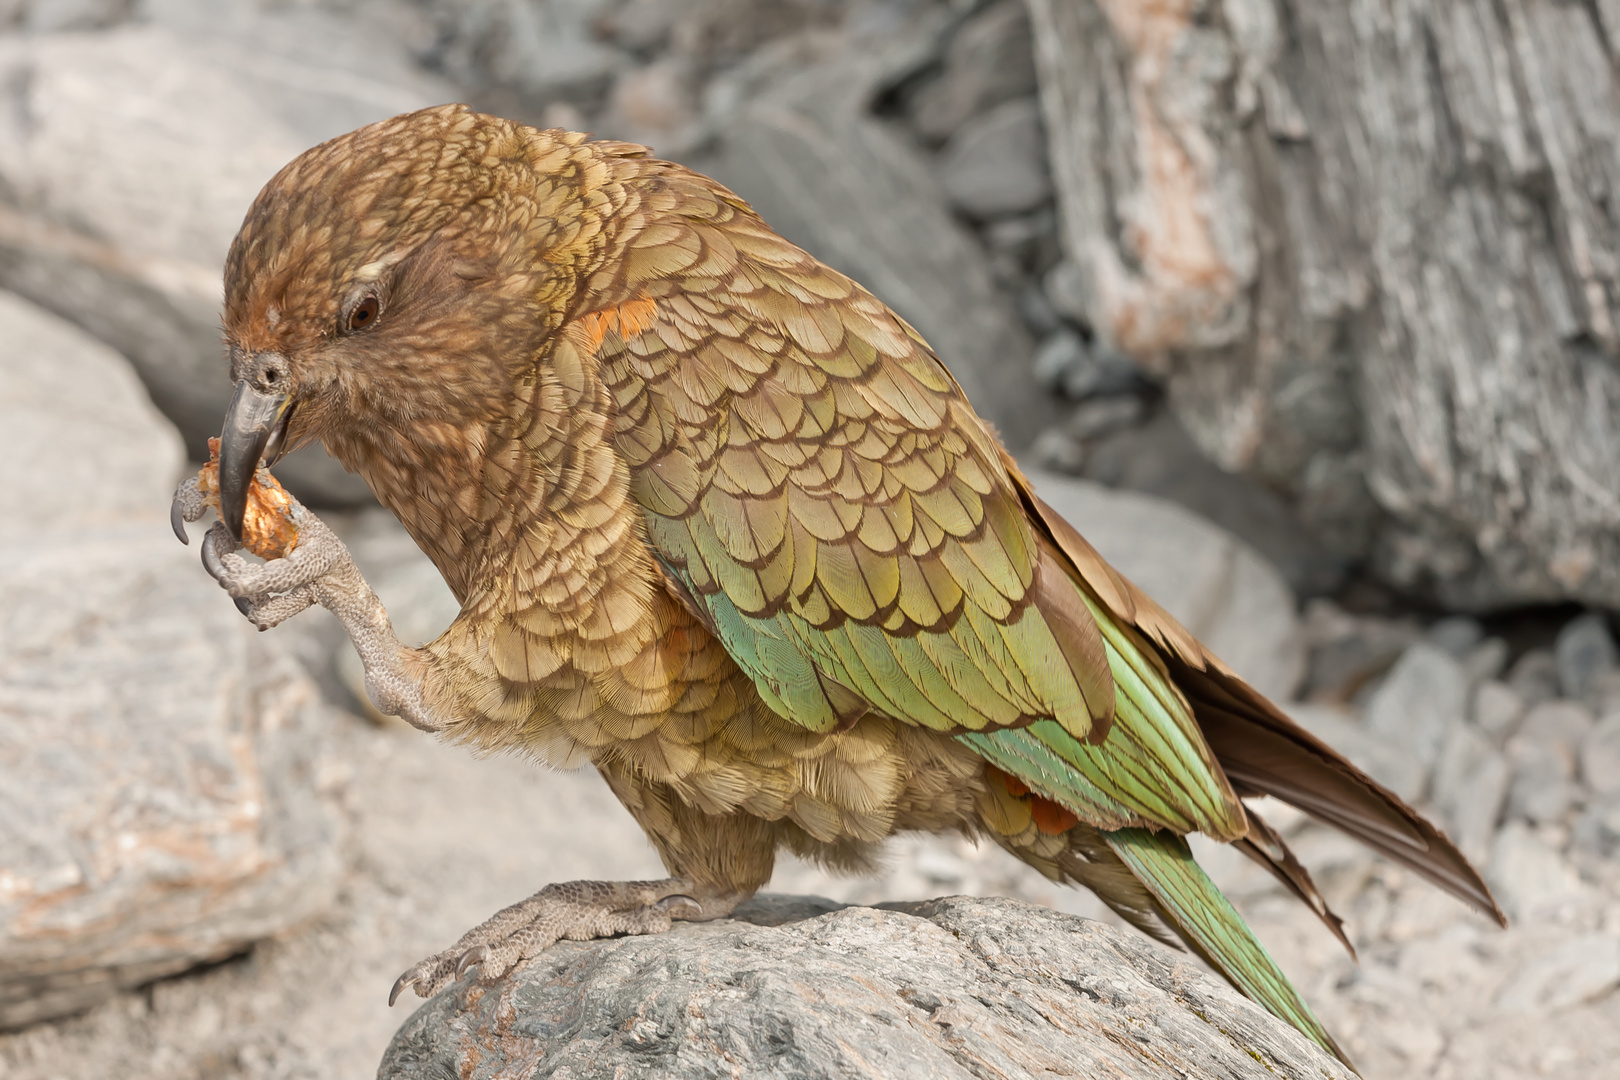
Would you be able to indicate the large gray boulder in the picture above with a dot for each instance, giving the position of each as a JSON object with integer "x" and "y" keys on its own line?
{"x": 1371, "y": 251}
{"x": 158, "y": 760}
{"x": 959, "y": 987}
{"x": 82, "y": 443}
{"x": 128, "y": 158}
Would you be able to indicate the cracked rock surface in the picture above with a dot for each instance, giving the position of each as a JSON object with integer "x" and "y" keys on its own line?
{"x": 957, "y": 987}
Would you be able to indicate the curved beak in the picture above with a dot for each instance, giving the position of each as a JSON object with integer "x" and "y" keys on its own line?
{"x": 254, "y": 428}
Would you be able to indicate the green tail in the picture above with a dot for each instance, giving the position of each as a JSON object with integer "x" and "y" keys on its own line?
{"x": 1206, "y": 920}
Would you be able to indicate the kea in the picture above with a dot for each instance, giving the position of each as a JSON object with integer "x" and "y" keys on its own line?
{"x": 723, "y": 526}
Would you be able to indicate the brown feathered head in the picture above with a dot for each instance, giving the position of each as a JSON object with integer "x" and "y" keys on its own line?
{"x": 395, "y": 278}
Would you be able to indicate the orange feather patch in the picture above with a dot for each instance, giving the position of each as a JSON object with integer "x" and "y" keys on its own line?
{"x": 627, "y": 320}
{"x": 1050, "y": 818}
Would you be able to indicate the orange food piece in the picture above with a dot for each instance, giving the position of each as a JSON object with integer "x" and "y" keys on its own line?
{"x": 267, "y": 525}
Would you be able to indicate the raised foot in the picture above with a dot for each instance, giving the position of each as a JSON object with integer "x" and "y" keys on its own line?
{"x": 575, "y": 910}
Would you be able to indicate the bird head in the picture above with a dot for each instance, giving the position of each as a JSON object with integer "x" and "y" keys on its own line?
{"x": 384, "y": 283}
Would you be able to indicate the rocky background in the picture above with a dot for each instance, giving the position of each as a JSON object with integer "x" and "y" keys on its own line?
{"x": 1317, "y": 300}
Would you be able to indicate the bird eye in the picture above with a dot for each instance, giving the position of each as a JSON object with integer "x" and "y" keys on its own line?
{"x": 363, "y": 314}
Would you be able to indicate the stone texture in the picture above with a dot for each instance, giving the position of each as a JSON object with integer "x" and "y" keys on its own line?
{"x": 987, "y": 61}
{"x": 853, "y": 192}
{"x": 160, "y": 801}
{"x": 1370, "y": 251}
{"x": 1585, "y": 652}
{"x": 1065, "y": 361}
{"x": 1425, "y": 694}
{"x": 1159, "y": 458}
{"x": 995, "y": 164}
{"x": 1470, "y": 785}
{"x": 1600, "y": 757}
{"x": 83, "y": 445}
{"x": 128, "y": 158}
{"x": 161, "y": 766}
{"x": 1232, "y": 599}
{"x": 1497, "y": 708}
{"x": 948, "y": 988}
{"x": 1534, "y": 677}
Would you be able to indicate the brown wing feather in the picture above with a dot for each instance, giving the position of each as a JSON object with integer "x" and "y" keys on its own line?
{"x": 1266, "y": 846}
{"x": 1260, "y": 749}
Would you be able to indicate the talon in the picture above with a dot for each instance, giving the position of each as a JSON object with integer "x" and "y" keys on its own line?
{"x": 669, "y": 903}
{"x": 244, "y": 606}
{"x": 177, "y": 520}
{"x": 400, "y": 984}
{"x": 211, "y": 560}
{"x": 472, "y": 957}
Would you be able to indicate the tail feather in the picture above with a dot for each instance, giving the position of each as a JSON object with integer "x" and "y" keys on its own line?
{"x": 1265, "y": 846}
{"x": 1192, "y": 906}
{"x": 1262, "y": 751}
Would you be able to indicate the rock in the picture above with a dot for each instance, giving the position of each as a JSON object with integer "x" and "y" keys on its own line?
{"x": 950, "y": 988}
{"x": 1084, "y": 370}
{"x": 995, "y": 164}
{"x": 1266, "y": 209}
{"x": 1158, "y": 458}
{"x": 1219, "y": 588}
{"x": 1497, "y": 709}
{"x": 83, "y": 445}
{"x": 1526, "y": 874}
{"x": 1564, "y": 724}
{"x": 1578, "y": 970}
{"x": 987, "y": 62}
{"x": 1349, "y": 651}
{"x": 127, "y": 160}
{"x": 1600, "y": 757}
{"x": 1470, "y": 786}
{"x": 1386, "y": 762}
{"x": 1534, "y": 677}
{"x": 1584, "y": 650}
{"x": 159, "y": 761}
{"x": 1102, "y": 417}
{"x": 160, "y": 769}
{"x": 1425, "y": 694}
{"x": 1457, "y": 634}
{"x": 1597, "y": 830}
{"x": 1029, "y": 242}
{"x": 543, "y": 51}
{"x": 851, "y": 191}
{"x": 1485, "y": 660}
{"x": 1543, "y": 752}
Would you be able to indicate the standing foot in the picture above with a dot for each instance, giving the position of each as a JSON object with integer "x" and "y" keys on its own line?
{"x": 575, "y": 910}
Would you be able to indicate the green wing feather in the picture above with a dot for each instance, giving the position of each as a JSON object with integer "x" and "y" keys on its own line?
{"x": 1211, "y": 927}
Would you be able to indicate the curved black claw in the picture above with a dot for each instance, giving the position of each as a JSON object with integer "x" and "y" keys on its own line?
{"x": 669, "y": 903}
{"x": 177, "y": 521}
{"x": 243, "y": 605}
{"x": 471, "y": 958}
{"x": 400, "y": 984}
{"x": 210, "y": 560}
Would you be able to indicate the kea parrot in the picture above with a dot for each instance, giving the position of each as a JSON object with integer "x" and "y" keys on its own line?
{"x": 723, "y": 526}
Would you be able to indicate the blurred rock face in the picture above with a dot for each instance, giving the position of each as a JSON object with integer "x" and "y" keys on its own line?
{"x": 128, "y": 159}
{"x": 160, "y": 764}
{"x": 1371, "y": 257}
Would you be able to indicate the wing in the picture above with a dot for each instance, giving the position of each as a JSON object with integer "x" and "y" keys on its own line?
{"x": 821, "y": 495}
{"x": 817, "y": 488}
{"x": 1259, "y": 748}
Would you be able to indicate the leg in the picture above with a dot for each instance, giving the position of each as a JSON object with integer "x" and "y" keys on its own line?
{"x": 321, "y": 571}
{"x": 572, "y": 910}
{"x": 718, "y": 861}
